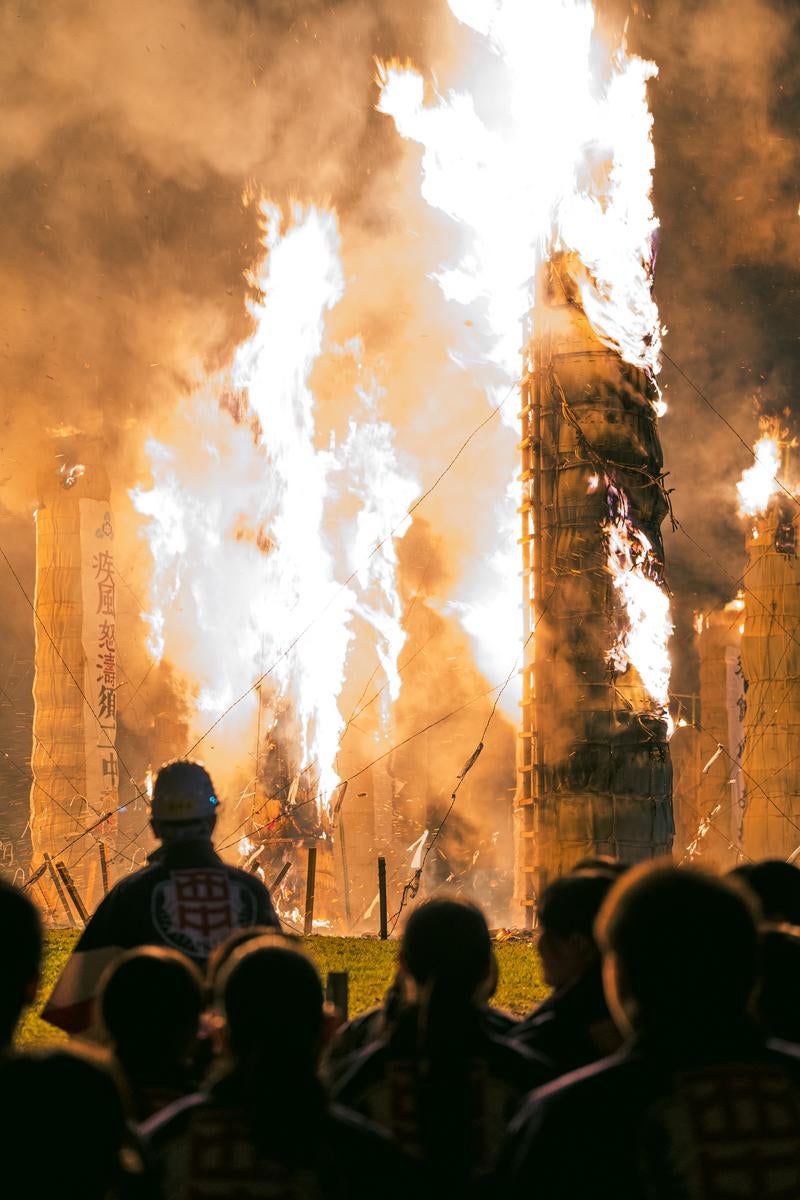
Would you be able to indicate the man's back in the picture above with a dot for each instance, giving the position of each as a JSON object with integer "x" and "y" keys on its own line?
{"x": 716, "y": 1121}
{"x": 187, "y": 899}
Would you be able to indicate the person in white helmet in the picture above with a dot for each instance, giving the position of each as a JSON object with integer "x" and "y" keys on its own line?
{"x": 186, "y": 897}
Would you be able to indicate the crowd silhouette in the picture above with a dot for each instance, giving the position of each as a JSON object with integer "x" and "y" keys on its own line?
{"x": 665, "y": 1064}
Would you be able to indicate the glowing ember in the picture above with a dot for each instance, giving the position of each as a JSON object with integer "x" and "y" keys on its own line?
{"x": 759, "y": 482}
{"x": 647, "y": 623}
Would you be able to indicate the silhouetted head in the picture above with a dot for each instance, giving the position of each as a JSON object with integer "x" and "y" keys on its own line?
{"x": 778, "y": 1004}
{"x": 446, "y": 942}
{"x": 776, "y": 884}
{"x": 567, "y": 912}
{"x": 240, "y": 937}
{"x": 65, "y": 1124}
{"x": 273, "y": 1002}
{"x": 150, "y": 1003}
{"x": 22, "y": 953}
{"x": 680, "y": 949}
{"x": 184, "y": 805}
{"x": 599, "y": 864}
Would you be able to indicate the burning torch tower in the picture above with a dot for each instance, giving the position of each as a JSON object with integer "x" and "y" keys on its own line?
{"x": 771, "y": 666}
{"x": 74, "y": 760}
{"x": 594, "y": 766}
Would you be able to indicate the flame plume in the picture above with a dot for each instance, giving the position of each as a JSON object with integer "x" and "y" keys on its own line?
{"x": 251, "y": 528}
{"x": 759, "y": 483}
{"x": 566, "y": 165}
{"x": 558, "y": 161}
{"x": 646, "y": 624}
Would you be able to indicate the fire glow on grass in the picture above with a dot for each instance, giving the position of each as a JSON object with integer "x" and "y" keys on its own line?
{"x": 251, "y": 524}
{"x": 552, "y": 152}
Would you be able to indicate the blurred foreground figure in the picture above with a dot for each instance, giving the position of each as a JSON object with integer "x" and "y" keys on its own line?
{"x": 776, "y": 886}
{"x": 573, "y": 1027}
{"x": 440, "y": 1080}
{"x": 265, "y": 1128}
{"x": 186, "y": 898}
{"x": 63, "y": 1132}
{"x": 22, "y": 953}
{"x": 698, "y": 1105}
{"x": 778, "y": 1001}
{"x": 150, "y": 1004}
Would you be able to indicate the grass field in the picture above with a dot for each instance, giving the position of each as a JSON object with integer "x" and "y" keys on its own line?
{"x": 370, "y": 964}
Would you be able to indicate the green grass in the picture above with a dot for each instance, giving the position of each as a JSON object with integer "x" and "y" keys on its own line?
{"x": 370, "y": 964}
{"x": 58, "y": 944}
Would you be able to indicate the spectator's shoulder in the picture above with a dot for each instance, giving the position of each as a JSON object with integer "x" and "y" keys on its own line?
{"x": 542, "y": 1016}
{"x": 785, "y": 1054}
{"x": 245, "y": 879}
{"x": 519, "y": 1063}
{"x": 584, "y": 1088}
{"x": 366, "y": 1067}
{"x": 171, "y": 1121}
{"x": 133, "y": 882}
{"x": 360, "y": 1141}
{"x": 351, "y": 1127}
{"x": 501, "y": 1023}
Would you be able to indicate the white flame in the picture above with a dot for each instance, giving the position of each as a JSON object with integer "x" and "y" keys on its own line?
{"x": 556, "y": 158}
{"x": 647, "y": 622}
{"x": 488, "y": 604}
{"x": 541, "y": 149}
{"x": 252, "y": 553}
{"x": 759, "y": 482}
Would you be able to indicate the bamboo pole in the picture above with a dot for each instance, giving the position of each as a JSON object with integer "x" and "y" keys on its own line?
{"x": 348, "y": 913}
{"x": 101, "y": 849}
{"x": 279, "y": 878}
{"x": 34, "y": 878}
{"x": 59, "y": 889}
{"x": 384, "y": 930}
{"x": 337, "y": 992}
{"x": 74, "y": 894}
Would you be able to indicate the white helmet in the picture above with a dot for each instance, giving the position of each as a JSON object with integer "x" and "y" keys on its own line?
{"x": 183, "y": 791}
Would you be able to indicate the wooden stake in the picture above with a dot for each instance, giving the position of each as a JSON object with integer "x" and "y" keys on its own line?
{"x": 345, "y": 876}
{"x": 337, "y": 991}
{"x": 311, "y": 883}
{"x": 59, "y": 889}
{"x": 382, "y": 895}
{"x": 74, "y": 894}
{"x": 101, "y": 849}
{"x": 279, "y": 878}
{"x": 37, "y": 875}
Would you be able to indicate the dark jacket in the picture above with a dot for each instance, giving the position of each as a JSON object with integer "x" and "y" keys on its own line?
{"x": 573, "y": 1027}
{"x": 187, "y": 898}
{"x": 308, "y": 1148}
{"x": 450, "y": 1114}
{"x": 370, "y": 1027}
{"x": 711, "y": 1117}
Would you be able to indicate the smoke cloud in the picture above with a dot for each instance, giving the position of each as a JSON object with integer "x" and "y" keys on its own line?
{"x": 727, "y": 116}
{"x": 128, "y": 137}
